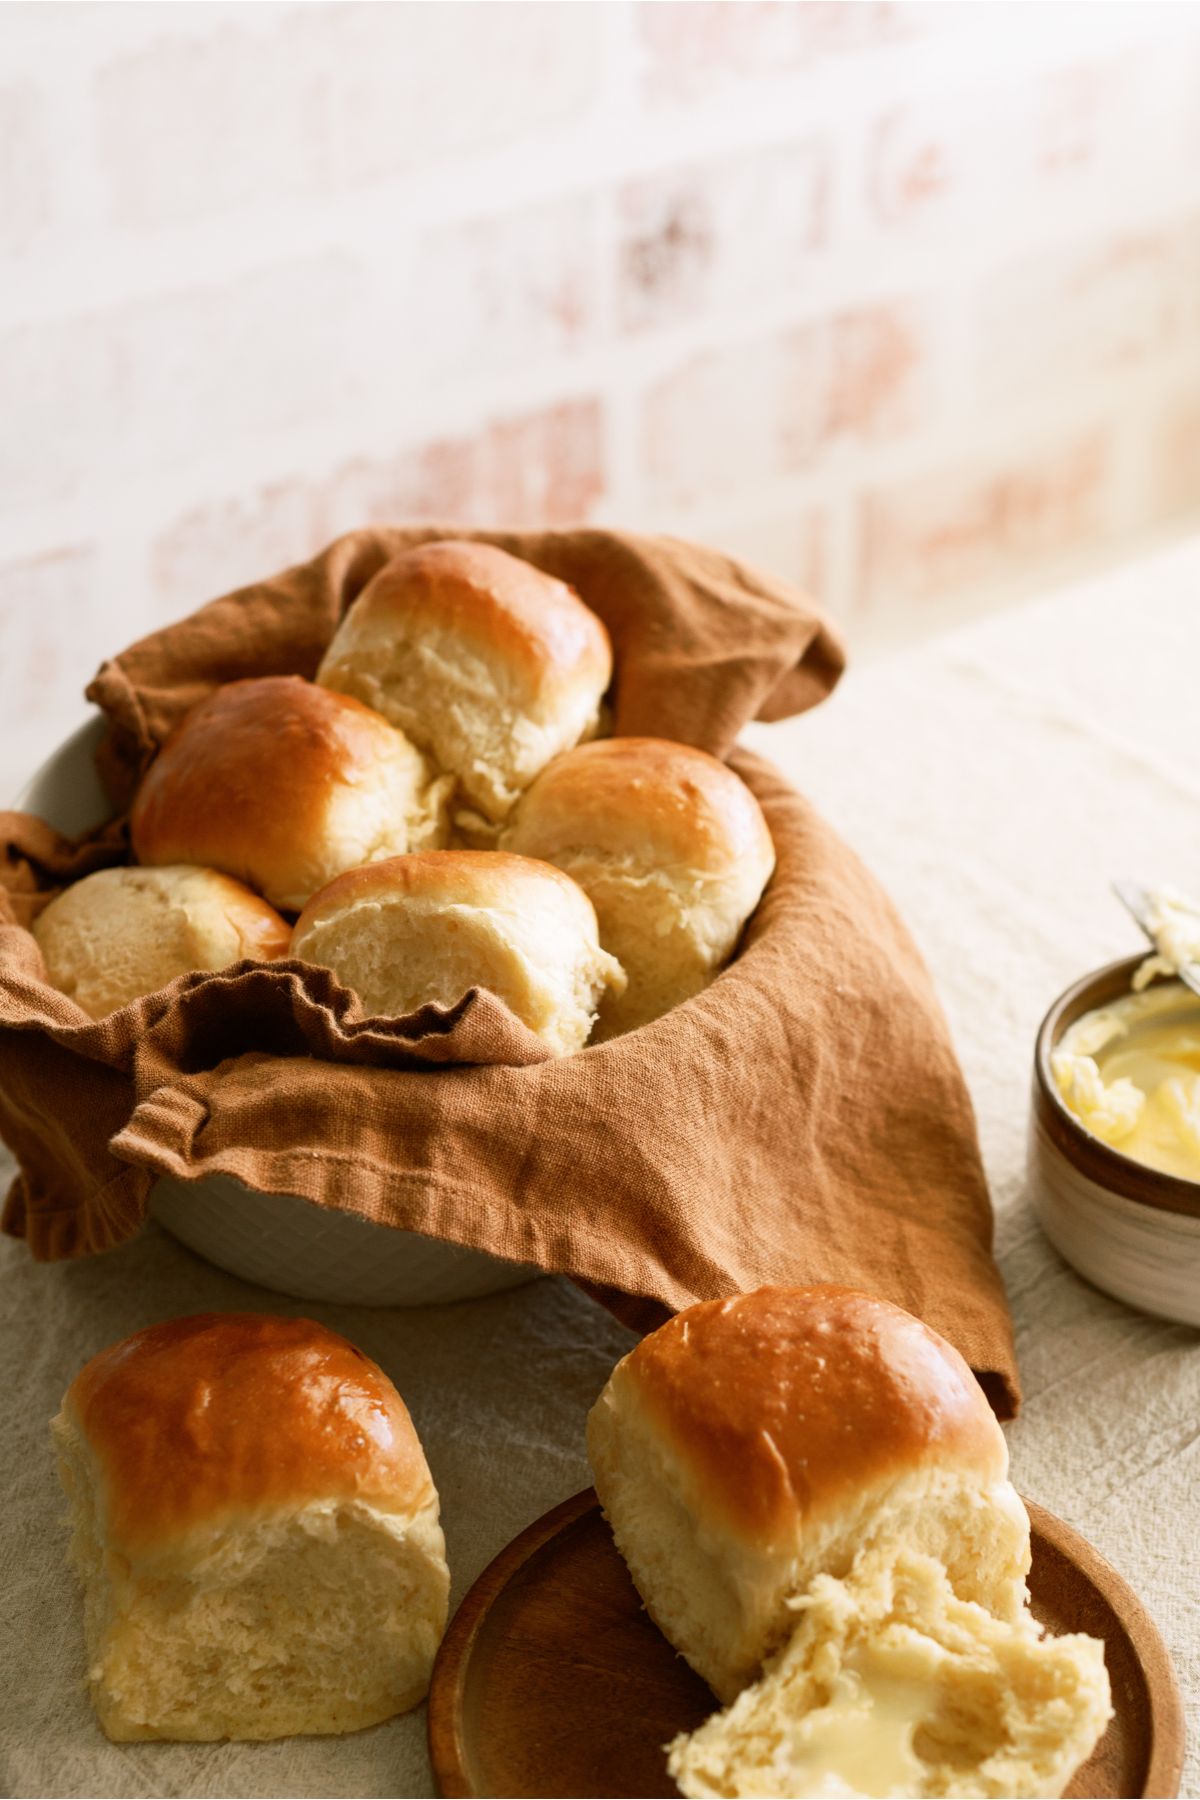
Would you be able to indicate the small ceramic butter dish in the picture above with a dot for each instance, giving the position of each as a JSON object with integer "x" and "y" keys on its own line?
{"x": 1128, "y": 1228}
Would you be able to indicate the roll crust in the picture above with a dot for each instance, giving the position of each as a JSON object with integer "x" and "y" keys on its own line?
{"x": 283, "y": 785}
{"x": 201, "y": 1421}
{"x": 669, "y": 805}
{"x": 121, "y": 933}
{"x": 671, "y": 848}
{"x": 480, "y": 878}
{"x": 789, "y": 1401}
{"x": 491, "y": 666}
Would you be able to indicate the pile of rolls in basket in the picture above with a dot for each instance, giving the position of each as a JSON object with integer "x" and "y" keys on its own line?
{"x": 442, "y": 810}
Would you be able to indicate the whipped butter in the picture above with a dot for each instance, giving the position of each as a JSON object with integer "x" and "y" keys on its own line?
{"x": 1130, "y": 1071}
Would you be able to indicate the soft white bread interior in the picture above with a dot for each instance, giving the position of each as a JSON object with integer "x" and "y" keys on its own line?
{"x": 124, "y": 932}
{"x": 284, "y": 785}
{"x": 489, "y": 665}
{"x": 256, "y": 1530}
{"x": 892, "y": 1685}
{"x": 431, "y": 926}
{"x": 672, "y": 849}
{"x": 812, "y": 1475}
{"x": 752, "y": 1444}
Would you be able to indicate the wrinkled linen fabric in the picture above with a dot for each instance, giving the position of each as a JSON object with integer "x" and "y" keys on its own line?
{"x": 802, "y": 1119}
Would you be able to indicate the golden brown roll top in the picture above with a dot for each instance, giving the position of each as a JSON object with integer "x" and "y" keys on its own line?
{"x": 284, "y": 785}
{"x": 753, "y": 1443}
{"x": 203, "y": 1421}
{"x": 653, "y": 801}
{"x": 672, "y": 849}
{"x": 121, "y": 933}
{"x": 431, "y": 926}
{"x": 489, "y": 665}
{"x": 485, "y": 878}
{"x": 789, "y": 1402}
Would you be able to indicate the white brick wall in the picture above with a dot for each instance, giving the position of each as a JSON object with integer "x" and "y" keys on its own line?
{"x": 901, "y": 300}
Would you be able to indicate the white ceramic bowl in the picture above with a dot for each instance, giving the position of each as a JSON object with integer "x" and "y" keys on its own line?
{"x": 277, "y": 1240}
{"x": 1133, "y": 1231}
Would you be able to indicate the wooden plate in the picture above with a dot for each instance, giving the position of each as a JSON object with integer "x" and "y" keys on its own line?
{"x": 552, "y": 1680}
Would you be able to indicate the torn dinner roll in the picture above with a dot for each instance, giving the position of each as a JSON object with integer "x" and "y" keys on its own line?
{"x": 432, "y": 926}
{"x": 673, "y": 851}
{"x": 256, "y": 1531}
{"x": 121, "y": 933}
{"x": 489, "y": 665}
{"x": 284, "y": 785}
{"x": 811, "y": 1478}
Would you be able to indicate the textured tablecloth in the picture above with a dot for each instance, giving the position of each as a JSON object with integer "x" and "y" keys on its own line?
{"x": 995, "y": 780}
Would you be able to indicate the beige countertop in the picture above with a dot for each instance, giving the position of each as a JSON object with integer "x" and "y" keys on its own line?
{"x": 995, "y": 780}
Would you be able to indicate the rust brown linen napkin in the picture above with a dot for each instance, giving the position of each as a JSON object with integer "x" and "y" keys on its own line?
{"x": 803, "y": 1119}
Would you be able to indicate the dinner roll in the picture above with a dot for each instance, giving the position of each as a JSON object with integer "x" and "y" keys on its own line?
{"x": 124, "y": 932}
{"x": 672, "y": 850}
{"x": 752, "y": 1444}
{"x": 284, "y": 785}
{"x": 812, "y": 1477}
{"x": 431, "y": 926}
{"x": 256, "y": 1531}
{"x": 893, "y": 1685}
{"x": 489, "y": 665}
